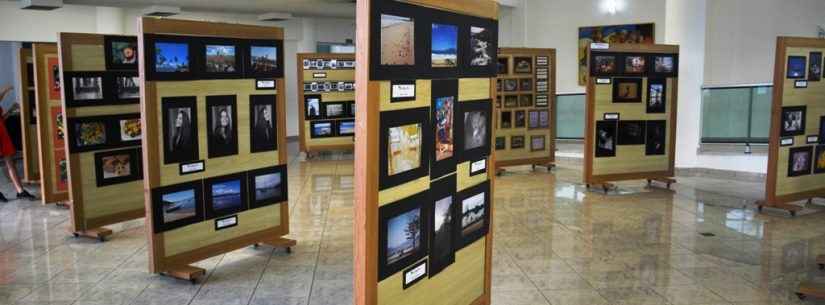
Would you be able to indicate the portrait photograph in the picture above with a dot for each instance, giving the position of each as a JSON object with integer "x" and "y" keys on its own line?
{"x": 262, "y": 127}
{"x": 800, "y": 161}
{"x": 797, "y": 66}
{"x": 475, "y": 129}
{"x": 474, "y": 214}
{"x": 225, "y": 195}
{"x": 263, "y": 59}
{"x": 503, "y": 66}
{"x": 444, "y": 51}
{"x": 128, "y": 87}
{"x": 397, "y": 41}
{"x": 121, "y": 52}
{"x": 118, "y": 166}
{"x": 516, "y": 142}
{"x": 222, "y": 125}
{"x": 312, "y": 106}
{"x": 819, "y": 160}
{"x": 519, "y": 119}
{"x": 522, "y": 65}
{"x": 656, "y": 96}
{"x": 444, "y": 109}
{"x": 627, "y": 90}
{"x": 538, "y": 143}
{"x": 130, "y": 130}
{"x": 481, "y": 46}
{"x": 604, "y": 64}
{"x": 87, "y": 88}
{"x": 178, "y": 205}
{"x": 815, "y": 66}
{"x": 171, "y": 57}
{"x": 635, "y": 64}
{"x": 322, "y": 129}
{"x": 632, "y": 132}
{"x": 506, "y": 119}
{"x": 442, "y": 227}
{"x": 404, "y": 151}
{"x": 793, "y": 121}
{"x": 180, "y": 132}
{"x": 268, "y": 186}
{"x": 605, "y": 139}
{"x": 402, "y": 233}
{"x": 656, "y": 138}
{"x": 220, "y": 59}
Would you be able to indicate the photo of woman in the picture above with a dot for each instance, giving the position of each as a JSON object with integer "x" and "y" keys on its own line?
{"x": 180, "y": 132}
{"x": 222, "y": 126}
{"x": 263, "y": 126}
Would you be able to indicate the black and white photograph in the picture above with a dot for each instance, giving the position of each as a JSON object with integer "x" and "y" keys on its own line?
{"x": 128, "y": 87}
{"x": 222, "y": 125}
{"x": 475, "y": 129}
{"x": 312, "y": 107}
{"x": 180, "y": 132}
{"x": 474, "y": 213}
{"x": 511, "y": 101}
{"x": 656, "y": 138}
{"x": 793, "y": 121}
{"x": 263, "y": 121}
{"x": 335, "y": 109}
{"x": 87, "y": 88}
{"x": 800, "y": 160}
{"x": 656, "y": 96}
{"x": 481, "y": 46}
{"x": 522, "y": 65}
{"x": 631, "y": 132}
{"x": 267, "y": 186}
{"x": 519, "y": 119}
{"x": 605, "y": 139}
{"x": 402, "y": 234}
{"x": 510, "y": 85}
{"x": 442, "y": 226}
{"x": 815, "y": 66}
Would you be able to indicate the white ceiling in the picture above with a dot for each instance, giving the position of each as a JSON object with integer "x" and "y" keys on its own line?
{"x": 313, "y": 8}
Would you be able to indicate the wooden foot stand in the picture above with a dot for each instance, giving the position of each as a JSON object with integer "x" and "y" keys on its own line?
{"x": 665, "y": 181}
{"x": 96, "y": 233}
{"x": 186, "y": 273}
{"x": 64, "y": 205}
{"x": 606, "y": 186}
{"x": 279, "y": 243}
{"x": 549, "y": 166}
{"x": 791, "y": 208}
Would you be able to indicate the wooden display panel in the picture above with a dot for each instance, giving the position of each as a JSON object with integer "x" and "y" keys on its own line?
{"x": 54, "y": 184}
{"x": 543, "y": 70}
{"x": 630, "y": 161}
{"x": 781, "y": 188}
{"x": 467, "y": 280}
{"x": 28, "y": 114}
{"x": 320, "y": 75}
{"x": 172, "y": 250}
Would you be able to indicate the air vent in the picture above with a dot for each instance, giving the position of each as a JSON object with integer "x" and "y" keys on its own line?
{"x": 41, "y": 5}
{"x": 161, "y": 11}
{"x": 275, "y": 17}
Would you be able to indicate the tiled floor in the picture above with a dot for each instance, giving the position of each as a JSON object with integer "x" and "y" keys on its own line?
{"x": 555, "y": 244}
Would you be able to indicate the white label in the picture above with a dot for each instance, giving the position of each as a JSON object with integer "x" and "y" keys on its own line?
{"x": 813, "y": 139}
{"x": 192, "y": 167}
{"x": 478, "y": 166}
{"x": 266, "y": 84}
{"x": 603, "y": 81}
{"x": 226, "y": 222}
{"x": 599, "y": 46}
{"x": 415, "y": 274}
{"x": 786, "y": 141}
{"x": 319, "y": 75}
{"x": 801, "y": 84}
{"x": 402, "y": 91}
{"x": 611, "y": 116}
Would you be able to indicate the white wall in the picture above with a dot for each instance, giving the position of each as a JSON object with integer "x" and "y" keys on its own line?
{"x": 9, "y": 70}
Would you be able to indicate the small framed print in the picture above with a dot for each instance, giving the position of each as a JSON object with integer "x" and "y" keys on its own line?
{"x": 127, "y": 87}
{"x": 176, "y": 206}
{"x": 627, "y": 90}
{"x": 544, "y": 119}
{"x": 602, "y": 64}
{"x": 516, "y": 142}
{"x": 121, "y": 52}
{"x": 815, "y": 66}
{"x": 263, "y": 127}
{"x": 443, "y": 204}
{"x": 118, "y": 166}
{"x": 510, "y": 85}
{"x": 402, "y": 91}
{"x": 415, "y": 273}
{"x": 498, "y": 85}
{"x": 266, "y": 84}
{"x": 525, "y": 100}
{"x": 796, "y": 67}
{"x": 631, "y": 132}
{"x": 225, "y": 195}
{"x": 312, "y": 107}
{"x": 501, "y": 143}
{"x": 86, "y": 89}
{"x": 605, "y": 139}
{"x": 396, "y": 248}
{"x": 538, "y": 143}
{"x": 267, "y": 186}
{"x": 321, "y": 129}
{"x": 474, "y": 129}
{"x": 264, "y": 58}
{"x": 169, "y": 57}
{"x": 474, "y": 213}
{"x": 800, "y": 160}
{"x": 525, "y": 84}
{"x": 91, "y": 133}
{"x": 129, "y": 128}
{"x": 180, "y": 132}
{"x": 226, "y": 222}
{"x": 656, "y": 138}
{"x": 635, "y": 64}
{"x": 522, "y": 65}
{"x": 222, "y": 125}
{"x": 506, "y": 120}
{"x": 793, "y": 121}
{"x": 405, "y": 143}
{"x": 503, "y": 65}
{"x": 519, "y": 119}
{"x": 656, "y": 95}
{"x": 443, "y": 108}
{"x": 532, "y": 119}
{"x": 192, "y": 167}
{"x": 345, "y": 128}
{"x": 663, "y": 65}
{"x": 478, "y": 167}
{"x": 220, "y": 58}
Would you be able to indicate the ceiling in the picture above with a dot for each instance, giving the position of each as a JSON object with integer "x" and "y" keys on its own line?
{"x": 306, "y": 8}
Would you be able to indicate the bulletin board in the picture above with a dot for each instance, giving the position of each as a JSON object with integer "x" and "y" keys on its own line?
{"x": 214, "y": 150}
{"x": 54, "y": 182}
{"x": 796, "y": 157}
{"x": 326, "y": 101}
{"x": 101, "y": 99}
{"x": 525, "y": 113}
{"x": 631, "y": 114}
{"x": 423, "y": 196}
{"x": 28, "y": 114}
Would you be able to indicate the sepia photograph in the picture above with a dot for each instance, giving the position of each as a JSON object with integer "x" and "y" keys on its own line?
{"x": 404, "y": 151}
{"x": 397, "y": 41}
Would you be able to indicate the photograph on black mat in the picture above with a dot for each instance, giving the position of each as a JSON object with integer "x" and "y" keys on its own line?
{"x": 346, "y": 128}
{"x": 501, "y": 143}
{"x": 443, "y": 107}
{"x": 506, "y": 120}
{"x": 442, "y": 223}
{"x": 822, "y": 130}
{"x": 405, "y": 143}
{"x": 544, "y": 119}
{"x": 819, "y": 160}
{"x": 516, "y": 142}
{"x": 604, "y": 65}
{"x": 127, "y": 87}
{"x": 267, "y": 186}
{"x": 262, "y": 127}
{"x": 815, "y": 66}
{"x": 312, "y": 107}
{"x": 482, "y": 46}
{"x": 525, "y": 84}
{"x": 398, "y": 40}
{"x": 498, "y": 85}
{"x": 264, "y": 59}
{"x": 85, "y": 89}
{"x": 168, "y": 57}
{"x": 444, "y": 45}
{"x": 631, "y": 132}
{"x": 225, "y": 195}
{"x": 334, "y": 110}
{"x": 664, "y": 64}
{"x": 321, "y": 129}
{"x": 656, "y": 138}
{"x": 176, "y": 206}
{"x": 522, "y": 65}
{"x": 222, "y": 125}
{"x": 180, "y": 132}
{"x": 627, "y": 90}
{"x": 118, "y": 166}
{"x": 800, "y": 161}
{"x": 474, "y": 214}
{"x": 480, "y": 56}
{"x": 130, "y": 129}
{"x": 402, "y": 234}
{"x": 796, "y": 67}
{"x": 538, "y": 143}
{"x": 89, "y": 133}
{"x": 474, "y": 129}
{"x": 656, "y": 97}
{"x": 519, "y": 119}
{"x": 635, "y": 64}
{"x": 510, "y": 85}
{"x": 793, "y": 121}
{"x": 503, "y": 65}
{"x": 525, "y": 100}
{"x": 605, "y": 139}
{"x": 121, "y": 52}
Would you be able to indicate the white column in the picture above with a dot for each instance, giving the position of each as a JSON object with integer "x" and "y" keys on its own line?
{"x": 110, "y": 20}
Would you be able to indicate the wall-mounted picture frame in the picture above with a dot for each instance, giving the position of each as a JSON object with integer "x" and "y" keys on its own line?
{"x": 510, "y": 85}
{"x": 264, "y": 59}
{"x": 442, "y": 223}
{"x": 121, "y": 52}
{"x": 538, "y": 143}
{"x": 222, "y": 125}
{"x": 519, "y": 118}
{"x": 180, "y": 129}
{"x": 225, "y": 195}
{"x": 510, "y": 101}
{"x": 542, "y": 100}
{"x": 335, "y": 110}
{"x": 635, "y": 64}
{"x": 663, "y": 65}
{"x": 522, "y": 65}
{"x": 405, "y": 143}
{"x": 656, "y": 138}
{"x": 169, "y": 57}
{"x": 474, "y": 129}
{"x": 793, "y": 121}
{"x": 402, "y": 91}
{"x": 321, "y": 129}
{"x": 503, "y": 66}
{"x": 800, "y": 161}
{"x": 604, "y": 65}
{"x": 814, "y": 66}
{"x": 345, "y": 128}
{"x": 118, "y": 166}
{"x": 443, "y": 113}
{"x": 631, "y": 132}
{"x": 525, "y": 100}
{"x": 819, "y": 159}
{"x": 268, "y": 186}
{"x": 627, "y": 90}
{"x": 656, "y": 95}
{"x": 605, "y": 139}
{"x": 89, "y": 133}
{"x": 402, "y": 234}
{"x": 219, "y": 58}
{"x": 263, "y": 127}
{"x": 474, "y": 214}
{"x": 797, "y": 65}
{"x": 516, "y": 142}
{"x": 177, "y": 205}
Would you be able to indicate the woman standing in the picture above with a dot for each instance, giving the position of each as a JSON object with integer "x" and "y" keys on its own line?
{"x": 7, "y": 151}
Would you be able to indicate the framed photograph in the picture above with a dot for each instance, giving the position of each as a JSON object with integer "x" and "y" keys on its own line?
{"x": 121, "y": 52}
{"x": 516, "y": 142}
{"x": 503, "y": 66}
{"x": 796, "y": 67}
{"x": 263, "y": 124}
{"x": 219, "y": 58}
{"x": 267, "y": 186}
{"x": 482, "y": 46}
{"x": 442, "y": 224}
{"x": 393, "y": 40}
{"x": 627, "y": 90}
{"x": 397, "y": 41}
{"x": 642, "y": 33}
{"x": 510, "y": 85}
{"x": 656, "y": 138}
{"x": 506, "y": 120}
{"x": 819, "y": 160}
{"x": 501, "y": 143}
{"x": 402, "y": 91}
{"x": 525, "y": 84}
{"x": 127, "y": 87}
{"x": 321, "y": 129}
{"x": 537, "y": 143}
{"x": 225, "y": 195}
{"x": 605, "y": 139}
{"x": 180, "y": 129}
{"x": 525, "y": 100}
{"x": 522, "y": 65}
{"x": 793, "y": 121}
{"x": 510, "y": 101}
{"x": 663, "y": 65}
{"x": 815, "y": 66}
{"x": 402, "y": 234}
{"x": 265, "y": 59}
{"x": 544, "y": 119}
{"x": 635, "y": 64}
{"x": 656, "y": 95}
{"x": 334, "y": 110}
{"x": 444, "y": 46}
{"x": 444, "y": 99}
{"x": 533, "y": 119}
{"x": 519, "y": 118}
{"x": 474, "y": 129}
{"x": 222, "y": 125}
{"x": 176, "y": 206}
{"x": 604, "y": 64}
{"x": 822, "y": 130}
{"x": 351, "y": 109}
{"x": 345, "y": 128}
{"x": 474, "y": 214}
{"x": 168, "y": 57}
{"x": 312, "y": 107}
{"x": 118, "y": 166}
{"x": 631, "y": 132}
{"x": 800, "y": 160}
{"x": 405, "y": 142}
{"x": 129, "y": 129}
{"x": 85, "y": 89}
{"x": 479, "y": 57}
{"x": 89, "y": 133}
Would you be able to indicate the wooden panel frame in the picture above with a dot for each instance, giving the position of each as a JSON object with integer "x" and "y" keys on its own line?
{"x": 370, "y": 102}
{"x": 783, "y": 91}
{"x": 590, "y": 120}
{"x": 176, "y": 264}
{"x": 530, "y": 157}
{"x": 31, "y": 158}
{"x": 306, "y": 144}
{"x": 43, "y": 52}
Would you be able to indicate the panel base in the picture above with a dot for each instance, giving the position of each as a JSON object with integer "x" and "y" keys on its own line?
{"x": 280, "y": 243}
{"x": 96, "y": 233}
{"x": 808, "y": 289}
{"x": 186, "y": 273}
{"x": 665, "y": 181}
{"x": 790, "y": 208}
{"x": 605, "y": 186}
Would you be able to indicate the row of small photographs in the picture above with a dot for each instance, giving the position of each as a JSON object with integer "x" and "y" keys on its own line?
{"x": 614, "y": 64}
{"x": 328, "y": 129}
{"x": 102, "y": 88}
{"x": 329, "y": 86}
{"x": 435, "y": 225}
{"x": 104, "y": 132}
{"x": 537, "y": 142}
{"x": 535, "y": 119}
{"x": 794, "y": 122}
{"x": 181, "y": 57}
{"x": 328, "y": 64}
{"x": 798, "y": 65}
{"x": 521, "y": 65}
{"x": 521, "y": 100}
{"x": 183, "y": 204}
{"x": 315, "y": 109}
{"x": 806, "y": 160}
{"x": 629, "y": 90}
{"x": 514, "y": 85}
{"x": 180, "y": 126}
{"x": 610, "y": 133}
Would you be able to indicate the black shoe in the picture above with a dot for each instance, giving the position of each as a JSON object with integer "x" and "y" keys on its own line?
{"x": 25, "y": 195}
{"x": 3, "y": 198}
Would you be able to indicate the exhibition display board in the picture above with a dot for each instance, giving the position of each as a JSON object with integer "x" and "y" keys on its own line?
{"x": 423, "y": 191}
{"x": 796, "y": 153}
{"x": 525, "y": 109}
{"x": 28, "y": 117}
{"x": 326, "y": 95}
{"x": 101, "y": 102}
{"x": 214, "y": 146}
{"x": 54, "y": 180}
{"x": 631, "y": 113}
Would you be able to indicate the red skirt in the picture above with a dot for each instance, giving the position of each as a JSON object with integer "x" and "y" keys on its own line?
{"x": 6, "y": 146}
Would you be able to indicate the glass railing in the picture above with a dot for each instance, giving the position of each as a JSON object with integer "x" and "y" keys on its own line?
{"x": 736, "y": 114}
{"x": 570, "y": 116}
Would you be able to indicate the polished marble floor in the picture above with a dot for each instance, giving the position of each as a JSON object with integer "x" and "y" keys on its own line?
{"x": 555, "y": 243}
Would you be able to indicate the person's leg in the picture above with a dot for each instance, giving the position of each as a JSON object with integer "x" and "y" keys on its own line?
{"x": 15, "y": 179}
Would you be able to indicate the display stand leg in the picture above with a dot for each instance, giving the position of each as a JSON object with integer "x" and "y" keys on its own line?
{"x": 606, "y": 187}
{"x": 96, "y": 233}
{"x": 64, "y": 205}
{"x": 282, "y": 243}
{"x": 808, "y": 289}
{"x": 665, "y": 181}
{"x": 792, "y": 209}
{"x": 186, "y": 273}
{"x": 820, "y": 261}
